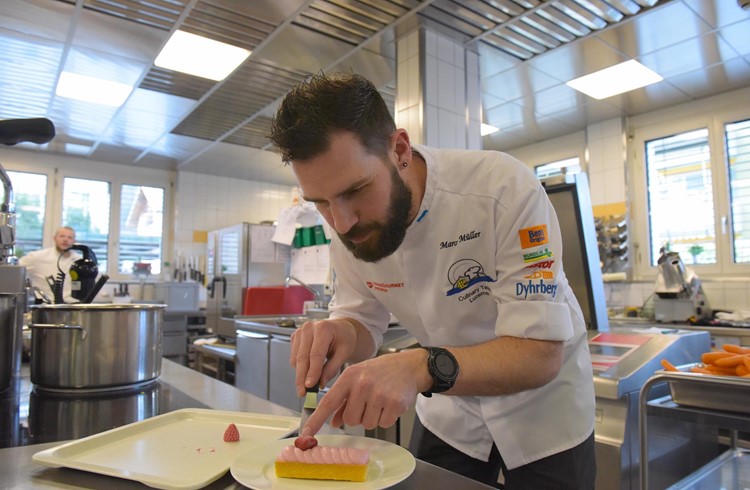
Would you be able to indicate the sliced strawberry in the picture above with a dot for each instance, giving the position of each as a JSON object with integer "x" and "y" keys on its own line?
{"x": 232, "y": 434}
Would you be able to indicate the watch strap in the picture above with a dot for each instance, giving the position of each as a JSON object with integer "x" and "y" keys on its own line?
{"x": 440, "y": 381}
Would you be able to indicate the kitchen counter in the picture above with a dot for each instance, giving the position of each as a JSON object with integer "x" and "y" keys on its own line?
{"x": 24, "y": 418}
{"x": 721, "y": 334}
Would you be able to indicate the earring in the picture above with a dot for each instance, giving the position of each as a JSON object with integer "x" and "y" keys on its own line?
{"x": 404, "y": 164}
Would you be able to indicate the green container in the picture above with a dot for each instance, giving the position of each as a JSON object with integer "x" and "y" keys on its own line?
{"x": 308, "y": 237}
{"x": 320, "y": 235}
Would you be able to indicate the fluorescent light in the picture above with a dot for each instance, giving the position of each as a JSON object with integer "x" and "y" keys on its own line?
{"x": 200, "y": 56}
{"x": 94, "y": 90}
{"x": 487, "y": 129}
{"x": 77, "y": 149}
{"x": 614, "y": 80}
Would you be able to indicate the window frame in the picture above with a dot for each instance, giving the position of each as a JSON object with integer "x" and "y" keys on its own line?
{"x": 116, "y": 175}
{"x": 638, "y": 199}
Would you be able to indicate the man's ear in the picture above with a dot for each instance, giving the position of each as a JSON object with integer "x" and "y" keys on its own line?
{"x": 401, "y": 146}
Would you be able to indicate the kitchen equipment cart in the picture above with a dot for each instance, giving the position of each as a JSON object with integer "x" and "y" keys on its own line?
{"x": 719, "y": 401}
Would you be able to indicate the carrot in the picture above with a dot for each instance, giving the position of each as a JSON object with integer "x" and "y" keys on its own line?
{"x": 730, "y": 371}
{"x": 736, "y": 349}
{"x": 700, "y": 370}
{"x": 732, "y": 361}
{"x": 713, "y": 356}
{"x": 742, "y": 370}
{"x": 668, "y": 366}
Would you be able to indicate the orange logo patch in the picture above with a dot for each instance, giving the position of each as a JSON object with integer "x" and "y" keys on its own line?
{"x": 533, "y": 237}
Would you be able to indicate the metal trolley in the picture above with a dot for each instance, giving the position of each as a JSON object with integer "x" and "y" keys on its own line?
{"x": 720, "y": 401}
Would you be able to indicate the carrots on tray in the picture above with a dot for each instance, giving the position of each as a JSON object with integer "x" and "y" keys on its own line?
{"x": 732, "y": 360}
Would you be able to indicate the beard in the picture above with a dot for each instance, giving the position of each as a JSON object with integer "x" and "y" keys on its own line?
{"x": 386, "y": 237}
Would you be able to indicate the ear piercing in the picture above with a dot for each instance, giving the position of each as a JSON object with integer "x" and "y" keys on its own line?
{"x": 404, "y": 164}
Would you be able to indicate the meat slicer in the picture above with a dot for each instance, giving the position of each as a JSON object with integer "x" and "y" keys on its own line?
{"x": 679, "y": 293}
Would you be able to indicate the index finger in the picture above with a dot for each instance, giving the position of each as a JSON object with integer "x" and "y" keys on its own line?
{"x": 330, "y": 402}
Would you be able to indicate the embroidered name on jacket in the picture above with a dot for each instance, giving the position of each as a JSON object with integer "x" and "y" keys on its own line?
{"x": 464, "y": 274}
{"x": 461, "y": 238}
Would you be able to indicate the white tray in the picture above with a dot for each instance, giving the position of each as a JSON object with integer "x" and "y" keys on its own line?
{"x": 184, "y": 449}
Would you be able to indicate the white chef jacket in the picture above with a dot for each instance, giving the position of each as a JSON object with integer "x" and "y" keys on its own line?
{"x": 481, "y": 260}
{"x": 42, "y": 263}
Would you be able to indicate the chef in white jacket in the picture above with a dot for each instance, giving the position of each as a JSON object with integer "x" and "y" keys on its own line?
{"x": 464, "y": 248}
{"x": 43, "y": 263}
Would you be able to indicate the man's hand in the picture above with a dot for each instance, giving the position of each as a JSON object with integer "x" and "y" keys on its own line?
{"x": 372, "y": 393}
{"x": 320, "y": 349}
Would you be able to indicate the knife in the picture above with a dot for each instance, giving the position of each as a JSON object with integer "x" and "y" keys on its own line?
{"x": 311, "y": 402}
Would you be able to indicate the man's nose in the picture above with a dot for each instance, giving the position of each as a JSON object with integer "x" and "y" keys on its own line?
{"x": 343, "y": 218}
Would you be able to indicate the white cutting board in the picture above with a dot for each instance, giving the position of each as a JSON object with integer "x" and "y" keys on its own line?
{"x": 184, "y": 449}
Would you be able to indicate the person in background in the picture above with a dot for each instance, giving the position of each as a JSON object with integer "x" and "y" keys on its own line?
{"x": 41, "y": 264}
{"x": 464, "y": 248}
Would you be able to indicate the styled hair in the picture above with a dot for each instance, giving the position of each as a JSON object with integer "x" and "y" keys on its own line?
{"x": 317, "y": 108}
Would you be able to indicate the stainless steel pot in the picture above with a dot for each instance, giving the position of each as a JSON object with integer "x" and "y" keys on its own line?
{"x": 95, "y": 346}
{"x": 11, "y": 319}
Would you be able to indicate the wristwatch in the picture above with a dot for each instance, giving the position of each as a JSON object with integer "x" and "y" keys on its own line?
{"x": 443, "y": 368}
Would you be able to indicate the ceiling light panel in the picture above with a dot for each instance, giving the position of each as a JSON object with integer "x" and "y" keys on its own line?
{"x": 615, "y": 80}
{"x": 94, "y": 90}
{"x": 200, "y": 56}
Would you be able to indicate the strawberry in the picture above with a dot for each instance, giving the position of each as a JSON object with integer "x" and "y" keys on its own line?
{"x": 232, "y": 434}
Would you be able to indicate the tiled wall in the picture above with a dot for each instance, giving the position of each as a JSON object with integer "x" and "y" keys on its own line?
{"x": 205, "y": 202}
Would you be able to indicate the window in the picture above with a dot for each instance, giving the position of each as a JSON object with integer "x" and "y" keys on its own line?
{"x": 560, "y": 167}
{"x": 85, "y": 208}
{"x": 30, "y": 197}
{"x": 738, "y": 155}
{"x": 118, "y": 211}
{"x": 141, "y": 223}
{"x": 692, "y": 194}
{"x": 680, "y": 197}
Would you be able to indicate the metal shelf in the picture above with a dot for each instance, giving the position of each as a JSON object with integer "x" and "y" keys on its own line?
{"x": 733, "y": 464}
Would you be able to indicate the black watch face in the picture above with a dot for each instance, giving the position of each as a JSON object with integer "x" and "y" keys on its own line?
{"x": 445, "y": 365}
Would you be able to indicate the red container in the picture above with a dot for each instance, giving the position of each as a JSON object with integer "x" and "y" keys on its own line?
{"x": 276, "y": 300}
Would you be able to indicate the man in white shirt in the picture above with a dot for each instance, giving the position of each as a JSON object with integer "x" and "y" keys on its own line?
{"x": 464, "y": 248}
{"x": 46, "y": 262}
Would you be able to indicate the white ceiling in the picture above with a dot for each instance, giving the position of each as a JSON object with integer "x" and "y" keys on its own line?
{"x": 528, "y": 50}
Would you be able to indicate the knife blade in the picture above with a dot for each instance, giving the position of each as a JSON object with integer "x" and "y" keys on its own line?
{"x": 309, "y": 406}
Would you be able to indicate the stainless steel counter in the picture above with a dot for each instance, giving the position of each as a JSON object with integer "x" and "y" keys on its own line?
{"x": 187, "y": 389}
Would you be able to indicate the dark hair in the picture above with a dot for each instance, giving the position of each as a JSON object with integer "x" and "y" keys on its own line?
{"x": 325, "y": 104}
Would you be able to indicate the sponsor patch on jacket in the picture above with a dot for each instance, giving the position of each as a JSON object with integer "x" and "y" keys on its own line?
{"x": 537, "y": 255}
{"x": 384, "y": 287}
{"x": 524, "y": 289}
{"x": 533, "y": 237}
{"x": 464, "y": 274}
{"x": 544, "y": 264}
{"x": 540, "y": 274}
